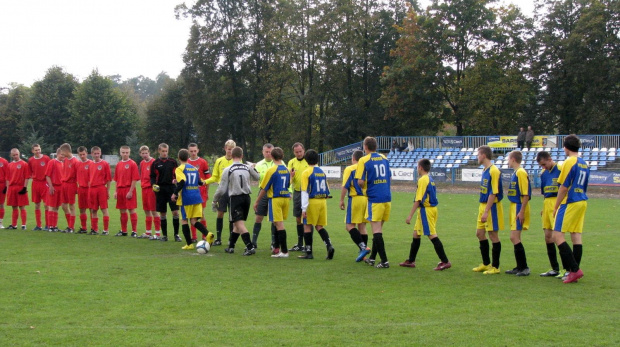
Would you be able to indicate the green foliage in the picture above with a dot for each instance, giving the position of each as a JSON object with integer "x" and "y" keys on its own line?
{"x": 101, "y": 115}
{"x": 25, "y": 147}
{"x": 12, "y": 109}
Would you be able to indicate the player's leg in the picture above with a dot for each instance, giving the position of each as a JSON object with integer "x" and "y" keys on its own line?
{"x": 261, "y": 212}
{"x": 186, "y": 213}
{"x": 124, "y": 220}
{"x": 308, "y": 239}
{"x": 577, "y": 247}
{"x": 515, "y": 238}
{"x": 483, "y": 240}
{"x": 106, "y": 220}
{"x": 94, "y": 220}
{"x": 381, "y": 214}
{"x": 280, "y": 213}
{"x": 299, "y": 246}
{"x": 551, "y": 254}
{"x": 320, "y": 223}
{"x": 24, "y": 216}
{"x": 495, "y": 223}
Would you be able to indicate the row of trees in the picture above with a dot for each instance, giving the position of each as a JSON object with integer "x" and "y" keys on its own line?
{"x": 327, "y": 73}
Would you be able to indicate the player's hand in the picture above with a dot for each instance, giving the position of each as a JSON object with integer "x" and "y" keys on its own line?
{"x": 256, "y": 207}
{"x": 174, "y": 181}
{"x": 173, "y": 197}
{"x": 129, "y": 195}
{"x": 521, "y": 217}
{"x": 214, "y": 206}
{"x": 342, "y": 204}
{"x": 115, "y": 196}
{"x": 23, "y": 191}
{"x": 408, "y": 221}
{"x": 292, "y": 173}
{"x": 52, "y": 190}
{"x": 201, "y": 182}
{"x": 541, "y": 213}
{"x": 304, "y": 215}
{"x": 155, "y": 188}
{"x": 4, "y": 190}
{"x": 555, "y": 211}
{"x": 484, "y": 217}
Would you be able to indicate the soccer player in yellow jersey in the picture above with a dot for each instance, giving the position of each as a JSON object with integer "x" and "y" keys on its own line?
{"x": 263, "y": 207}
{"x": 426, "y": 222}
{"x": 356, "y": 206}
{"x": 490, "y": 212}
{"x": 549, "y": 189}
{"x": 276, "y": 185}
{"x": 570, "y": 207}
{"x": 216, "y": 176}
{"x": 314, "y": 195}
{"x": 297, "y": 166}
{"x": 519, "y": 194}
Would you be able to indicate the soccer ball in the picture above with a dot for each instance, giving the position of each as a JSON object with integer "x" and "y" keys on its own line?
{"x": 203, "y": 247}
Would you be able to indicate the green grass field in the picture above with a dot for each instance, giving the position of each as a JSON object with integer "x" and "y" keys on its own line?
{"x": 69, "y": 289}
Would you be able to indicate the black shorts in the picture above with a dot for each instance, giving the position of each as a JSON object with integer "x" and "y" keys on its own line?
{"x": 222, "y": 203}
{"x": 263, "y": 206}
{"x": 162, "y": 199}
{"x": 297, "y": 204}
{"x": 239, "y": 207}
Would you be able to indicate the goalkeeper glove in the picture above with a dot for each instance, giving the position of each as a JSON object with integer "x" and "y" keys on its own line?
{"x": 23, "y": 191}
{"x": 155, "y": 188}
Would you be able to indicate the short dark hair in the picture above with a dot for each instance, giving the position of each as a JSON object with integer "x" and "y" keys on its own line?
{"x": 487, "y": 151}
{"x": 192, "y": 145}
{"x": 35, "y": 145}
{"x": 312, "y": 157}
{"x": 277, "y": 153}
{"x": 517, "y": 156}
{"x": 572, "y": 143}
{"x": 95, "y": 148}
{"x": 298, "y": 144}
{"x": 183, "y": 154}
{"x": 542, "y": 155}
{"x": 237, "y": 152}
{"x": 268, "y": 145}
{"x": 81, "y": 149}
{"x": 357, "y": 155}
{"x": 425, "y": 164}
{"x": 370, "y": 143}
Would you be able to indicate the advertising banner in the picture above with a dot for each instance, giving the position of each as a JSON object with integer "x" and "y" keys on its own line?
{"x": 402, "y": 174}
{"x": 332, "y": 171}
{"x": 506, "y": 175}
{"x": 604, "y": 178}
{"x": 347, "y": 151}
{"x": 452, "y": 141}
{"x": 588, "y": 140}
{"x": 511, "y": 141}
{"x": 439, "y": 175}
{"x": 471, "y": 175}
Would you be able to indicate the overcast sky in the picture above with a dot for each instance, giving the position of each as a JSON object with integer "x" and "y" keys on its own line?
{"x": 125, "y": 37}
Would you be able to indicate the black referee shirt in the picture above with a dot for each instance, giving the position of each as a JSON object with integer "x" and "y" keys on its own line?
{"x": 162, "y": 171}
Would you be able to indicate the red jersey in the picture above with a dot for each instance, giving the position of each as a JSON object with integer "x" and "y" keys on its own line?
{"x": 54, "y": 171}
{"x": 69, "y": 173}
{"x": 38, "y": 166}
{"x": 83, "y": 174}
{"x": 19, "y": 172}
{"x": 4, "y": 170}
{"x": 125, "y": 173}
{"x": 100, "y": 173}
{"x": 202, "y": 166}
{"x": 145, "y": 173}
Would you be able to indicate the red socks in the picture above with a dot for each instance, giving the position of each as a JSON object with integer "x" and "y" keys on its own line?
{"x": 24, "y": 214}
{"x": 83, "y": 220}
{"x": 37, "y": 217}
{"x": 157, "y": 221}
{"x": 149, "y": 223}
{"x": 134, "y": 222}
{"x": 14, "y": 217}
{"x": 106, "y": 223}
{"x": 124, "y": 218}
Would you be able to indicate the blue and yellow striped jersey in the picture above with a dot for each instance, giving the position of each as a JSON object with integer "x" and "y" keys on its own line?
{"x": 574, "y": 176}
{"x": 277, "y": 181}
{"x": 519, "y": 186}
{"x": 314, "y": 182}
{"x": 190, "y": 194}
{"x": 350, "y": 183}
{"x": 549, "y": 182}
{"x": 427, "y": 192}
{"x": 374, "y": 168}
{"x": 491, "y": 183}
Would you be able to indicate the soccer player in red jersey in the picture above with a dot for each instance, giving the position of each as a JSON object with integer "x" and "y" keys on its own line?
{"x": 38, "y": 165}
{"x": 126, "y": 176}
{"x": 99, "y": 191}
{"x": 203, "y": 170}
{"x": 83, "y": 176}
{"x": 148, "y": 195}
{"x": 4, "y": 174}
{"x": 69, "y": 185}
{"x": 17, "y": 181}
{"x": 53, "y": 200}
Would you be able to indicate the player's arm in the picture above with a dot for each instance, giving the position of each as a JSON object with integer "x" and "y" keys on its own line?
{"x": 495, "y": 177}
{"x": 416, "y": 204}
{"x": 135, "y": 178}
{"x": 343, "y": 193}
{"x": 524, "y": 187}
{"x": 116, "y": 185}
{"x": 215, "y": 175}
{"x": 153, "y": 173}
{"x": 564, "y": 182}
{"x": 223, "y": 187}
{"x": 359, "y": 172}
{"x": 419, "y": 195}
{"x": 254, "y": 174}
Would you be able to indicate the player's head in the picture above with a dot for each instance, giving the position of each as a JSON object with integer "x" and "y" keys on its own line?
{"x": 571, "y": 143}
{"x": 183, "y": 155}
{"x": 357, "y": 155}
{"x": 95, "y": 152}
{"x": 228, "y": 147}
{"x": 267, "y": 148}
{"x": 484, "y": 153}
{"x": 543, "y": 158}
{"x": 36, "y": 150}
{"x": 370, "y": 144}
{"x": 15, "y": 154}
{"x": 312, "y": 157}
{"x": 521, "y": 128}
{"x": 145, "y": 152}
{"x": 82, "y": 153}
{"x": 65, "y": 148}
{"x": 193, "y": 150}
{"x": 515, "y": 158}
{"x": 237, "y": 152}
{"x": 529, "y": 127}
{"x": 59, "y": 155}
{"x": 162, "y": 149}
{"x": 424, "y": 166}
{"x": 299, "y": 150}
{"x": 125, "y": 151}
{"x": 277, "y": 153}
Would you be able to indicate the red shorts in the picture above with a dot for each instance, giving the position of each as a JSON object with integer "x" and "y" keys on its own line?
{"x": 122, "y": 203}
{"x": 98, "y": 197}
{"x": 149, "y": 202}
{"x": 83, "y": 198}
{"x": 2, "y": 195}
{"x": 13, "y": 199}
{"x": 204, "y": 193}
{"x": 69, "y": 191}
{"x": 56, "y": 199}
{"x": 39, "y": 191}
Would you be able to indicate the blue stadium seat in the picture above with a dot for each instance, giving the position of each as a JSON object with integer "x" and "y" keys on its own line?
{"x": 593, "y": 168}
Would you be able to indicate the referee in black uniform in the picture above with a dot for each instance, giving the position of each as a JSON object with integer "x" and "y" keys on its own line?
{"x": 162, "y": 176}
